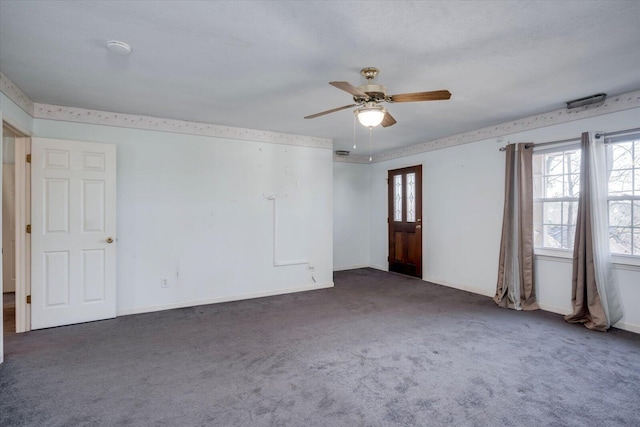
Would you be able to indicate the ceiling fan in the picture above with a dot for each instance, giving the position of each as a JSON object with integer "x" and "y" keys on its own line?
{"x": 369, "y": 96}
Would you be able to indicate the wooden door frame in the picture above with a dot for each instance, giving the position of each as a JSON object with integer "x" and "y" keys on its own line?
{"x": 390, "y": 215}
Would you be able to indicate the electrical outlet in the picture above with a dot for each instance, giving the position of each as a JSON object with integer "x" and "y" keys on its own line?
{"x": 164, "y": 283}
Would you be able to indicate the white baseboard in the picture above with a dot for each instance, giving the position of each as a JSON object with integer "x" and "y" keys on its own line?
{"x": 207, "y": 301}
{"x": 471, "y": 289}
{"x": 353, "y": 267}
{"x": 380, "y": 267}
{"x": 554, "y": 308}
{"x": 631, "y": 327}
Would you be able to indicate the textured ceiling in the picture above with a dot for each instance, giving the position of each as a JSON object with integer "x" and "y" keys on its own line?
{"x": 266, "y": 64}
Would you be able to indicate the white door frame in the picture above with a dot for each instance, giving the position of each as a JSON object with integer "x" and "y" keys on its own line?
{"x": 23, "y": 240}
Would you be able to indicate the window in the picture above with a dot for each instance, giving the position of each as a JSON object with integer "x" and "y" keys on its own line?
{"x": 623, "y": 169}
{"x": 556, "y": 188}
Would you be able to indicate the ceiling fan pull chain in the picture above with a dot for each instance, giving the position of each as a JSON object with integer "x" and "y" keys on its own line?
{"x": 370, "y": 133}
{"x": 354, "y": 131}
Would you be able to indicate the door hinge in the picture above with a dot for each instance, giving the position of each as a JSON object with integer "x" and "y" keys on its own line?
{"x": 387, "y": 220}
{"x": 28, "y": 299}
{"x": 28, "y": 228}
{"x": 28, "y": 158}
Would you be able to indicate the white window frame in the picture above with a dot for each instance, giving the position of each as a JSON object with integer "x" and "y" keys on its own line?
{"x": 619, "y": 261}
{"x": 546, "y": 251}
{"x": 617, "y": 258}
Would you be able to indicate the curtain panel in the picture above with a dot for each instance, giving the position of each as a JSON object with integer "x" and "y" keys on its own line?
{"x": 516, "y": 285}
{"x": 594, "y": 296}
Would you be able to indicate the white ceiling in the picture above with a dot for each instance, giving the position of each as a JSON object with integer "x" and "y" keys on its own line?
{"x": 266, "y": 64}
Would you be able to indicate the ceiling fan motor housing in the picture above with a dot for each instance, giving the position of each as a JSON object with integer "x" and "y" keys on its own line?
{"x": 376, "y": 93}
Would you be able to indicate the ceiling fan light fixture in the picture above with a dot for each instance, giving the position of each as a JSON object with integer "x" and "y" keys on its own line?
{"x": 370, "y": 116}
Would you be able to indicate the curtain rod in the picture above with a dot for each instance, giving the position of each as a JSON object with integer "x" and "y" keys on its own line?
{"x": 619, "y": 132}
{"x": 597, "y": 135}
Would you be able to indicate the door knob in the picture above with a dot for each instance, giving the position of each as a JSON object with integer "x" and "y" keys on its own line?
{"x": 109, "y": 240}
{"x": 418, "y": 227}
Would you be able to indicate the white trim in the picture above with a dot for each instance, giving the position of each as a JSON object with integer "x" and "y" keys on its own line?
{"x": 351, "y": 158}
{"x": 557, "y": 255}
{"x": 82, "y": 115}
{"x": 14, "y": 93}
{"x": 631, "y": 327}
{"x": 612, "y": 104}
{"x": 619, "y": 262}
{"x": 352, "y": 267}
{"x": 208, "y": 301}
{"x": 554, "y": 308}
{"x": 23, "y": 240}
{"x": 465, "y": 288}
{"x": 379, "y": 267}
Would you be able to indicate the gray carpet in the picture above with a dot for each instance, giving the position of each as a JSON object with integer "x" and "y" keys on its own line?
{"x": 377, "y": 350}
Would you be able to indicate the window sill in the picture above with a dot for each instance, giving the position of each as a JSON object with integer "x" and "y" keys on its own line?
{"x": 620, "y": 262}
{"x": 557, "y": 255}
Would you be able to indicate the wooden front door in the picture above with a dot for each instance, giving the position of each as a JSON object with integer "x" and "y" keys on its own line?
{"x": 405, "y": 221}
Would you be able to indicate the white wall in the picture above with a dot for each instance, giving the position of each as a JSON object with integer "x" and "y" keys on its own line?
{"x": 462, "y": 216}
{"x": 350, "y": 215}
{"x": 195, "y": 210}
{"x": 461, "y": 209}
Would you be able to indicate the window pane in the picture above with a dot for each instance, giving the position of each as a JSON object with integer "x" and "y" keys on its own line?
{"x": 569, "y": 213}
{"x": 553, "y": 186}
{"x": 621, "y": 155}
{"x": 571, "y": 237}
{"x": 571, "y": 162}
{"x": 553, "y": 163}
{"x": 636, "y": 242}
{"x": 397, "y": 198}
{"x": 621, "y": 182}
{"x": 620, "y": 240}
{"x": 636, "y": 213}
{"x": 572, "y": 185}
{"x": 411, "y": 197}
{"x": 558, "y": 177}
{"x": 552, "y": 213}
{"x": 552, "y": 236}
{"x": 636, "y": 180}
{"x": 620, "y": 213}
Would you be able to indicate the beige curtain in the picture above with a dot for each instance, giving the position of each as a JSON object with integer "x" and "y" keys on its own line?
{"x": 594, "y": 295}
{"x": 515, "y": 288}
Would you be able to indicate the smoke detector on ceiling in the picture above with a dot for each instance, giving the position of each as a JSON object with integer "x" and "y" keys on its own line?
{"x": 118, "y": 47}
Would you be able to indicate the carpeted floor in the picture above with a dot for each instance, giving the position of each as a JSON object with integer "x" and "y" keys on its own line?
{"x": 378, "y": 349}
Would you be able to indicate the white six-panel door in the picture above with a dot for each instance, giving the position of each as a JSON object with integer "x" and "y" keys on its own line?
{"x": 73, "y": 226}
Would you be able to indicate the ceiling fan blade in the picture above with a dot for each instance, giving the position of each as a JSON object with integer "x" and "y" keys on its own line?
{"x": 313, "y": 116}
{"x": 388, "y": 120}
{"x": 435, "y": 95}
{"x": 348, "y": 87}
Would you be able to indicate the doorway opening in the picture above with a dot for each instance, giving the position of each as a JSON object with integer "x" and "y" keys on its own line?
{"x": 405, "y": 221}
{"x": 15, "y": 214}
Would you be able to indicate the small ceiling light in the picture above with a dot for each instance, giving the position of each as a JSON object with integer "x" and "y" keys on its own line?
{"x": 120, "y": 48}
{"x": 370, "y": 115}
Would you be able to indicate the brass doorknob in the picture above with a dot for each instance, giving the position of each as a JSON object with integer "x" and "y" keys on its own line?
{"x": 109, "y": 240}
{"x": 418, "y": 227}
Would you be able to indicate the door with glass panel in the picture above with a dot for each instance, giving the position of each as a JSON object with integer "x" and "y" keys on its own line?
{"x": 405, "y": 221}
